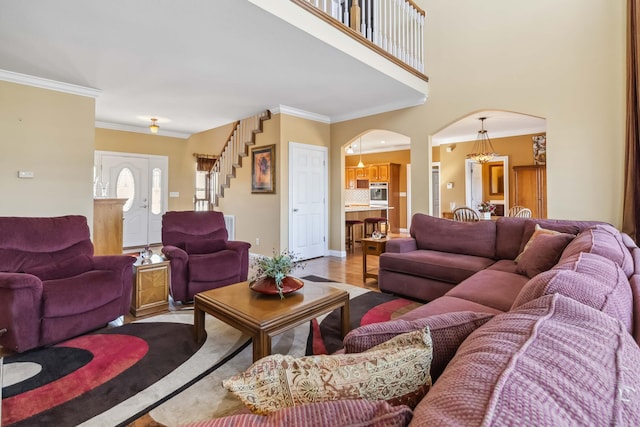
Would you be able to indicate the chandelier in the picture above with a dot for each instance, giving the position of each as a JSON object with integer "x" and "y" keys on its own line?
{"x": 483, "y": 151}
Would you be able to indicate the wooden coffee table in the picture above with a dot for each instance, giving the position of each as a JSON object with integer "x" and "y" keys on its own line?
{"x": 263, "y": 316}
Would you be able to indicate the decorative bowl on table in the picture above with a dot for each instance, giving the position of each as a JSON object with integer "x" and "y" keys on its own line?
{"x": 267, "y": 285}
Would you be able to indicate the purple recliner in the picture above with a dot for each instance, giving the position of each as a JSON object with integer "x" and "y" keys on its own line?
{"x": 51, "y": 286}
{"x": 201, "y": 255}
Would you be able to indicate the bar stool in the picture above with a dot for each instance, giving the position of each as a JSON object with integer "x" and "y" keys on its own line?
{"x": 375, "y": 224}
{"x": 350, "y": 241}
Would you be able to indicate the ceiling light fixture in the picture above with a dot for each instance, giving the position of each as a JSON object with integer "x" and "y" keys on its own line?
{"x": 483, "y": 151}
{"x": 360, "y": 164}
{"x": 348, "y": 149}
{"x": 153, "y": 127}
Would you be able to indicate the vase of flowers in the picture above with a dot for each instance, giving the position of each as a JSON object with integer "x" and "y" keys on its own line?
{"x": 271, "y": 275}
{"x": 486, "y": 209}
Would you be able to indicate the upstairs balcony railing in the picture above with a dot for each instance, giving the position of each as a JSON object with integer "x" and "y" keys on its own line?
{"x": 396, "y": 27}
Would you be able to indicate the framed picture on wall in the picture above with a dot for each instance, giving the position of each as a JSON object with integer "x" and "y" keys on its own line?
{"x": 263, "y": 169}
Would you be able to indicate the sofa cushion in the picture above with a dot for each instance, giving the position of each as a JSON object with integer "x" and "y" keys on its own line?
{"x": 447, "y": 330}
{"x": 443, "y": 266}
{"x": 542, "y": 253}
{"x": 469, "y": 238}
{"x": 603, "y": 240}
{"x": 447, "y": 304}
{"x": 492, "y": 288}
{"x": 551, "y": 362}
{"x": 538, "y": 231}
{"x": 80, "y": 294}
{"x": 335, "y": 413}
{"x": 560, "y": 226}
{"x": 205, "y": 246}
{"x": 400, "y": 375}
{"x": 508, "y": 237}
{"x": 506, "y": 265}
{"x": 588, "y": 278}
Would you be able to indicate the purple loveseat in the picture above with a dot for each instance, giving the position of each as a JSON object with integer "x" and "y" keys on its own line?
{"x": 51, "y": 286}
{"x": 201, "y": 256}
{"x": 513, "y": 343}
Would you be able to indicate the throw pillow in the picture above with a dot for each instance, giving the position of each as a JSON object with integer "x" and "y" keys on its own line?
{"x": 205, "y": 246}
{"x": 447, "y": 330}
{"x": 537, "y": 232}
{"x": 338, "y": 413}
{"x": 396, "y": 371}
{"x": 542, "y": 253}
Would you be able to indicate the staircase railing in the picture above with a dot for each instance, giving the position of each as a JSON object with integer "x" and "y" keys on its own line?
{"x": 237, "y": 146}
{"x": 396, "y": 27}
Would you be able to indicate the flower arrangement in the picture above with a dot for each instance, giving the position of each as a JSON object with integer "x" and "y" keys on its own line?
{"x": 276, "y": 267}
{"x": 487, "y": 207}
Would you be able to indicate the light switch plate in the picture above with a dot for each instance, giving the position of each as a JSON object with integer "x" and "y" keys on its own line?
{"x": 174, "y": 194}
{"x": 25, "y": 174}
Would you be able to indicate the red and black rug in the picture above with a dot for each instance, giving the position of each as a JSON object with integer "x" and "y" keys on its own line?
{"x": 115, "y": 376}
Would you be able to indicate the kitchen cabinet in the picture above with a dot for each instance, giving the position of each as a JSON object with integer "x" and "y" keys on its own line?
{"x": 350, "y": 178}
{"x": 531, "y": 189}
{"x": 362, "y": 173}
{"x": 379, "y": 173}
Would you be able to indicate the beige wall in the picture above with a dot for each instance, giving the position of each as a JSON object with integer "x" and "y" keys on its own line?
{"x": 401, "y": 157}
{"x": 493, "y": 55}
{"x": 50, "y": 134}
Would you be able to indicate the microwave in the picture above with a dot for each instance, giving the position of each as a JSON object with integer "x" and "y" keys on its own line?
{"x": 379, "y": 193}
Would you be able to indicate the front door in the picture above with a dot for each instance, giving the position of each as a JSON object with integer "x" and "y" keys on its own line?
{"x": 142, "y": 180}
{"x": 307, "y": 200}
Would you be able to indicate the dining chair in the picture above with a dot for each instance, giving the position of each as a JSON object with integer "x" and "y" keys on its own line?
{"x": 523, "y": 213}
{"x": 513, "y": 210}
{"x": 465, "y": 214}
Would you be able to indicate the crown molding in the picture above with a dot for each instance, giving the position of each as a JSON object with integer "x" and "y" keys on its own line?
{"x": 27, "y": 80}
{"x": 140, "y": 129}
{"x": 300, "y": 113}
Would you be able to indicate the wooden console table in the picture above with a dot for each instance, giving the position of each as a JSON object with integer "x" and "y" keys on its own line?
{"x": 375, "y": 247}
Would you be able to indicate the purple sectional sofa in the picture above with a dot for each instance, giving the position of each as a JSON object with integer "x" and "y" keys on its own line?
{"x": 51, "y": 286}
{"x": 550, "y": 340}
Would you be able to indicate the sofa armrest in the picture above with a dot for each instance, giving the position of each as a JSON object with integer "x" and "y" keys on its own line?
{"x": 400, "y": 245}
{"x": 20, "y": 293}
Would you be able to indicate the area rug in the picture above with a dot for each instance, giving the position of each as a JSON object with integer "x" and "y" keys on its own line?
{"x": 153, "y": 372}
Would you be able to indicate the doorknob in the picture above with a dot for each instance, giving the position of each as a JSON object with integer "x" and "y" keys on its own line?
{"x": 295, "y": 209}
{"x": 143, "y": 206}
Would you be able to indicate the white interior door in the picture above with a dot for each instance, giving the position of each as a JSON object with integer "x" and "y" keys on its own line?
{"x": 308, "y": 187}
{"x": 142, "y": 180}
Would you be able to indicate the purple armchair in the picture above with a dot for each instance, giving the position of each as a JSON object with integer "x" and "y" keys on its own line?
{"x": 201, "y": 256}
{"x": 51, "y": 286}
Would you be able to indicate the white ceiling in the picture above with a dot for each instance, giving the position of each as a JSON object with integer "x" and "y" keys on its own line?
{"x": 194, "y": 64}
{"x": 200, "y": 64}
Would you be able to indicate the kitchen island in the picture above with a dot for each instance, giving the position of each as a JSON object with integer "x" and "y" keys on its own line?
{"x": 360, "y": 212}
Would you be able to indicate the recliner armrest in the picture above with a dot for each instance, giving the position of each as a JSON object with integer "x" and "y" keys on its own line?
{"x": 14, "y": 281}
{"x": 20, "y": 310}
{"x": 174, "y": 252}
{"x": 238, "y": 246}
{"x": 400, "y": 245}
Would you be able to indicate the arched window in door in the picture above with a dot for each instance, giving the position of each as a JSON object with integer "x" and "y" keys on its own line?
{"x": 126, "y": 188}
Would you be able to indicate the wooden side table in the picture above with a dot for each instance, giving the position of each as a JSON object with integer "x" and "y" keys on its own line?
{"x": 150, "y": 286}
{"x": 375, "y": 247}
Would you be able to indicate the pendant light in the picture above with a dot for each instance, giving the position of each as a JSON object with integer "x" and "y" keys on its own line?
{"x": 153, "y": 127}
{"x": 360, "y": 164}
{"x": 483, "y": 151}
